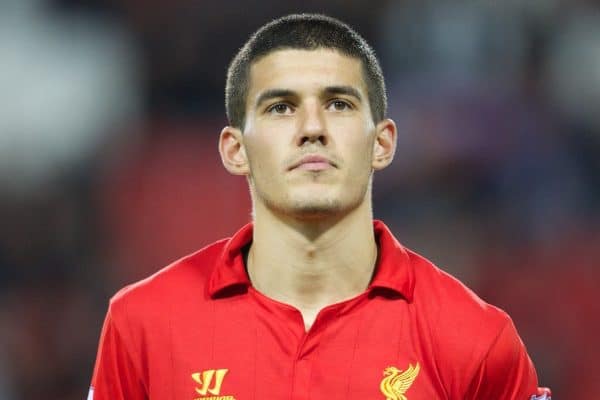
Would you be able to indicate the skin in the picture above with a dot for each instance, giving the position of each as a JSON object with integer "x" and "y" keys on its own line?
{"x": 313, "y": 241}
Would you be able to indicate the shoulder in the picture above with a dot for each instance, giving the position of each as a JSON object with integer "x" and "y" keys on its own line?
{"x": 452, "y": 300}
{"x": 464, "y": 330}
{"x": 179, "y": 281}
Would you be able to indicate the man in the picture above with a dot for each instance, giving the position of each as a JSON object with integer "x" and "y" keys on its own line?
{"x": 314, "y": 299}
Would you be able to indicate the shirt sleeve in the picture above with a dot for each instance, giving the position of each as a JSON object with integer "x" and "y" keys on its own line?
{"x": 115, "y": 374}
{"x": 506, "y": 372}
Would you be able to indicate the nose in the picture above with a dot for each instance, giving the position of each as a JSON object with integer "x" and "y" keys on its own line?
{"x": 312, "y": 126}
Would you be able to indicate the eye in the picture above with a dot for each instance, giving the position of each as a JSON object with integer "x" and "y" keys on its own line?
{"x": 339, "y": 105}
{"x": 279, "y": 108}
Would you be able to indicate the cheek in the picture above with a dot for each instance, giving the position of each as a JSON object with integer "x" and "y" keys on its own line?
{"x": 361, "y": 150}
{"x": 262, "y": 158}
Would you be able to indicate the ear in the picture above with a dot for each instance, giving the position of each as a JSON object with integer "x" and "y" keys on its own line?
{"x": 233, "y": 153}
{"x": 384, "y": 146}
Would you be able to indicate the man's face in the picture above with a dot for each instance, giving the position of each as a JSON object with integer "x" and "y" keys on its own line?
{"x": 309, "y": 134}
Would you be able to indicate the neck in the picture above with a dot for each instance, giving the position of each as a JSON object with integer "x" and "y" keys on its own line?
{"x": 310, "y": 264}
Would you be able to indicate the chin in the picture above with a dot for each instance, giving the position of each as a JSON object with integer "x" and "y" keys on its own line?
{"x": 307, "y": 208}
{"x": 316, "y": 204}
{"x": 321, "y": 208}
{"x": 314, "y": 212}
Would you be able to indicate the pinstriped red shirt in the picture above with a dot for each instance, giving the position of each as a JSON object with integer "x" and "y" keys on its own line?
{"x": 198, "y": 330}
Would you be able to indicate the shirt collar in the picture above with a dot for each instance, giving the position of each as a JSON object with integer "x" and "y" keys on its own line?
{"x": 393, "y": 270}
{"x": 230, "y": 270}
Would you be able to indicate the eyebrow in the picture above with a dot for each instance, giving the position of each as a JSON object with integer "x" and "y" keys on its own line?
{"x": 328, "y": 91}
{"x": 346, "y": 90}
{"x": 273, "y": 94}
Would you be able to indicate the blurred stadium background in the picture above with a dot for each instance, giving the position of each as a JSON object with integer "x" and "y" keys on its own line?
{"x": 109, "y": 117}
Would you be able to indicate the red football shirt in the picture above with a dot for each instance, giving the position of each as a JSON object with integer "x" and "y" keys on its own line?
{"x": 198, "y": 330}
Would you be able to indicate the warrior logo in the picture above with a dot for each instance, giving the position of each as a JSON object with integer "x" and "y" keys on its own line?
{"x": 208, "y": 377}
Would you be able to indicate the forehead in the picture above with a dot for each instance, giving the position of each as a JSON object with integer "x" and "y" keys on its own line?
{"x": 305, "y": 70}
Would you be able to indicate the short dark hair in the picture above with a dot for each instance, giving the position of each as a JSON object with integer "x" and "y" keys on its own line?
{"x": 306, "y": 32}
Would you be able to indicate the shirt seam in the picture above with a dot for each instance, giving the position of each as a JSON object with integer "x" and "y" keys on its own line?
{"x": 128, "y": 351}
{"x": 354, "y": 350}
{"x": 487, "y": 353}
{"x": 435, "y": 360}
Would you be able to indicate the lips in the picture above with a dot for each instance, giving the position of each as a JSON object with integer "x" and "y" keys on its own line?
{"x": 313, "y": 163}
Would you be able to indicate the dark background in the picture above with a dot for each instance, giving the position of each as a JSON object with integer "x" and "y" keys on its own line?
{"x": 109, "y": 117}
